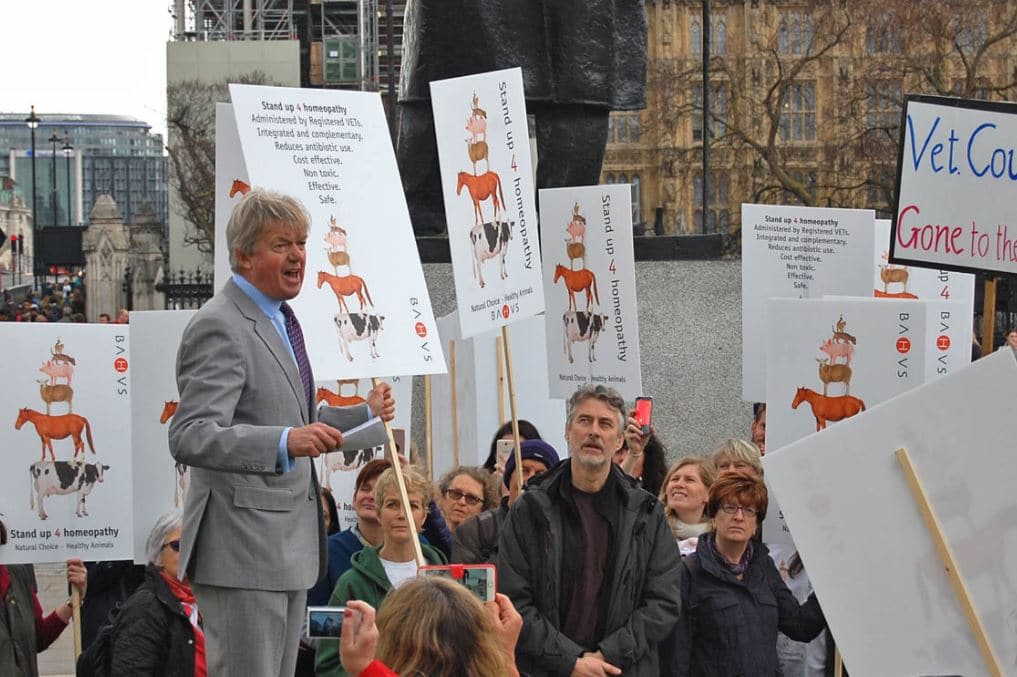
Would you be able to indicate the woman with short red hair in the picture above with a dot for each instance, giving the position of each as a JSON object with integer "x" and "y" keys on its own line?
{"x": 733, "y": 598}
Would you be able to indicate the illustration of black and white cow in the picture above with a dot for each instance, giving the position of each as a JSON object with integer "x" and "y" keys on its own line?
{"x": 487, "y": 241}
{"x": 358, "y": 327}
{"x": 583, "y": 326}
{"x": 64, "y": 477}
{"x": 346, "y": 460}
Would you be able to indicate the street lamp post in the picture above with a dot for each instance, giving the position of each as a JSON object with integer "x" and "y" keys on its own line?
{"x": 68, "y": 150}
{"x": 33, "y": 122}
{"x": 54, "y": 140}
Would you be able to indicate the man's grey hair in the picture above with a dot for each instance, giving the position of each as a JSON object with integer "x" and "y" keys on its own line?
{"x": 608, "y": 396}
{"x": 164, "y": 526}
{"x": 255, "y": 213}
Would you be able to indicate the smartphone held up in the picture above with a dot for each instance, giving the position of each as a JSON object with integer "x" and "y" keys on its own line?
{"x": 643, "y": 413}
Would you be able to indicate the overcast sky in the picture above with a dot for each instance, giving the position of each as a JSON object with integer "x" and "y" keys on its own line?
{"x": 85, "y": 56}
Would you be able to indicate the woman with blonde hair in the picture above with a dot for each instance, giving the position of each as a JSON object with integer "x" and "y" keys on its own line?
{"x": 377, "y": 570}
{"x": 684, "y": 494}
{"x": 432, "y": 626}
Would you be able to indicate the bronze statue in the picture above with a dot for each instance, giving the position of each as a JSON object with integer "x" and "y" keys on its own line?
{"x": 581, "y": 59}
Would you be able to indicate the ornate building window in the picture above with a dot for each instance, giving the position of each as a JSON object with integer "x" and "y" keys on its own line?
{"x": 798, "y": 119}
{"x": 795, "y": 32}
{"x": 637, "y": 200}
{"x": 719, "y": 103}
{"x": 718, "y": 36}
{"x": 882, "y": 37}
{"x": 884, "y": 105}
{"x": 717, "y": 214}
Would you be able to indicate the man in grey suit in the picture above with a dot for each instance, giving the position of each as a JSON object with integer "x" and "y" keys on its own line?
{"x": 253, "y": 535}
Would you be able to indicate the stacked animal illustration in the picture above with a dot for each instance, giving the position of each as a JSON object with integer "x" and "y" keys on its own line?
{"x": 349, "y": 459}
{"x": 579, "y": 325}
{"x": 53, "y": 476}
{"x": 840, "y": 346}
{"x": 891, "y": 274}
{"x": 362, "y": 325}
{"x": 488, "y": 239}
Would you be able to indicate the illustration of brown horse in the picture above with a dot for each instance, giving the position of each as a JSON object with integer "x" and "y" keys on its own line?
{"x": 828, "y": 408}
{"x": 487, "y": 185}
{"x": 168, "y": 410}
{"x": 52, "y": 428}
{"x": 578, "y": 280}
{"x": 239, "y": 186}
{"x": 345, "y": 285}
{"x": 337, "y": 399}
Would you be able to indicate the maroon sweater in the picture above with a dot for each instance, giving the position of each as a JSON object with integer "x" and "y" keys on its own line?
{"x": 46, "y": 629}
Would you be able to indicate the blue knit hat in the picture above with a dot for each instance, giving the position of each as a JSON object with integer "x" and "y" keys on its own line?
{"x": 538, "y": 450}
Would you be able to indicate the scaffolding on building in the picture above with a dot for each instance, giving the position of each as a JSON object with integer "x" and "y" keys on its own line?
{"x": 343, "y": 43}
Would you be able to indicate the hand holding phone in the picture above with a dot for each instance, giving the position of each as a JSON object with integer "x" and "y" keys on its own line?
{"x": 480, "y": 579}
{"x": 643, "y": 413}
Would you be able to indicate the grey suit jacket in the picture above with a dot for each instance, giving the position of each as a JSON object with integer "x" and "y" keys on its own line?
{"x": 245, "y": 526}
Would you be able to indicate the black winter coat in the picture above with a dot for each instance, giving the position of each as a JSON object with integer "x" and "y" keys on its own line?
{"x": 729, "y": 627}
{"x": 571, "y": 51}
{"x": 644, "y": 599}
{"x": 152, "y": 635}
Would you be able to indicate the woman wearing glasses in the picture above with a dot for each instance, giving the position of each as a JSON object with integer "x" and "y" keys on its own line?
{"x": 465, "y": 492}
{"x": 733, "y": 598}
{"x": 159, "y": 631}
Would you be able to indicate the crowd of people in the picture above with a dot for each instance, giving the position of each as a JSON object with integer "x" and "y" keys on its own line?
{"x": 60, "y": 302}
{"x": 607, "y": 561}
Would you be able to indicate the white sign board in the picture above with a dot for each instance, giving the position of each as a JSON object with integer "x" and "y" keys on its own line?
{"x": 487, "y": 186}
{"x": 338, "y": 470}
{"x": 832, "y": 359}
{"x": 66, "y": 488}
{"x": 161, "y": 484}
{"x": 955, "y": 185}
{"x": 231, "y": 184}
{"x": 477, "y": 393}
{"x": 590, "y": 288}
{"x": 796, "y": 252}
{"x": 869, "y": 554}
{"x": 364, "y": 308}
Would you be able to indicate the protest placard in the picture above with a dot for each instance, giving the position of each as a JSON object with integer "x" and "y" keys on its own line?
{"x": 488, "y": 192}
{"x": 477, "y": 393}
{"x": 364, "y": 306}
{"x": 586, "y": 237}
{"x": 796, "y": 252}
{"x": 955, "y": 185}
{"x": 231, "y": 184}
{"x": 163, "y": 483}
{"x": 869, "y": 554}
{"x": 66, "y": 491}
{"x": 830, "y": 359}
{"x": 338, "y": 470}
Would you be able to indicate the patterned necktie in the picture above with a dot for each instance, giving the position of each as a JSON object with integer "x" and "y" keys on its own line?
{"x": 299, "y": 351}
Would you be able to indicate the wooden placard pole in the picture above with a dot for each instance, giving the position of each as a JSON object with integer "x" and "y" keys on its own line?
{"x": 517, "y": 448}
{"x": 76, "y": 620}
{"x": 404, "y": 498}
{"x": 428, "y": 435}
{"x": 988, "y": 315}
{"x": 949, "y": 564}
{"x": 455, "y": 401}
{"x": 838, "y": 663}
{"x": 499, "y": 350}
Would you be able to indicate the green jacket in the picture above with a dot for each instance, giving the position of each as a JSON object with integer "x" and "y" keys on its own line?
{"x": 367, "y": 582}
{"x": 18, "y": 643}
